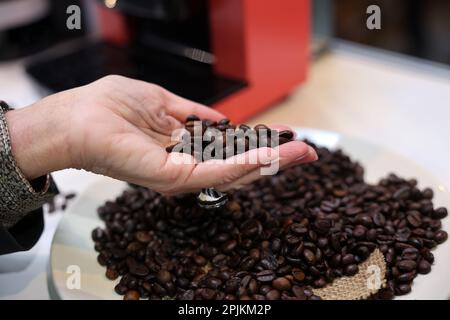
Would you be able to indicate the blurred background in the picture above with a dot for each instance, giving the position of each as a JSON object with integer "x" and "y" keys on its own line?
{"x": 222, "y": 53}
{"x": 212, "y": 51}
{"x": 416, "y": 27}
{"x": 419, "y": 28}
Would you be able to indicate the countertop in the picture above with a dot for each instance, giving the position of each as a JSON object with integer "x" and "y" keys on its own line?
{"x": 401, "y": 103}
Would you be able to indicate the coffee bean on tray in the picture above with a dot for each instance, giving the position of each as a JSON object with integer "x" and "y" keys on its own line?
{"x": 275, "y": 239}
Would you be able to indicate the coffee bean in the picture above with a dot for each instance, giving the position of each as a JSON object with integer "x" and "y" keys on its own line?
{"x": 385, "y": 294}
{"x": 247, "y": 263}
{"x": 120, "y": 289}
{"x": 353, "y": 211}
{"x": 427, "y": 193}
{"x": 298, "y": 274}
{"x": 299, "y": 293}
{"x": 286, "y": 134}
{"x": 102, "y": 259}
{"x": 322, "y": 225}
{"x": 309, "y": 256}
{"x": 132, "y": 295}
{"x": 143, "y": 237}
{"x": 307, "y": 292}
{"x": 404, "y": 289}
{"x": 348, "y": 259}
{"x": 276, "y": 245}
{"x": 410, "y": 254}
{"x": 111, "y": 274}
{"x": 213, "y": 283}
{"x": 322, "y": 242}
{"x": 259, "y": 127}
{"x": 379, "y": 219}
{"x": 424, "y": 267}
{"x": 441, "y": 236}
{"x": 244, "y": 127}
{"x": 401, "y": 193}
{"x": 292, "y": 240}
{"x": 359, "y": 232}
{"x": 163, "y": 276}
{"x": 187, "y": 295}
{"x": 229, "y": 246}
{"x": 265, "y": 276}
{"x": 363, "y": 252}
{"x": 232, "y": 285}
{"x": 120, "y": 252}
{"x": 273, "y": 295}
{"x": 439, "y": 213}
{"x": 98, "y": 234}
{"x": 136, "y": 268}
{"x": 207, "y": 293}
{"x": 351, "y": 270}
{"x": 414, "y": 218}
{"x": 170, "y": 147}
{"x": 364, "y": 220}
{"x": 255, "y": 254}
{"x": 200, "y": 260}
{"x": 407, "y": 265}
{"x": 320, "y": 283}
{"x": 281, "y": 284}
{"x": 192, "y": 117}
{"x": 299, "y": 230}
{"x": 406, "y": 277}
{"x": 224, "y": 121}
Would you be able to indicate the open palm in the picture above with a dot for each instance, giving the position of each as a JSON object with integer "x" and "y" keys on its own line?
{"x": 120, "y": 127}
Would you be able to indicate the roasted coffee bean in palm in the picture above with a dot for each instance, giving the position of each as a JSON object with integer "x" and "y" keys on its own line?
{"x": 233, "y": 139}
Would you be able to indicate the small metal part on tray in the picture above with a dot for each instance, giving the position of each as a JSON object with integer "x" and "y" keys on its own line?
{"x": 211, "y": 199}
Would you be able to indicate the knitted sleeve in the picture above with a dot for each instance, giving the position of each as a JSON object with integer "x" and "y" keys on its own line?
{"x": 18, "y": 197}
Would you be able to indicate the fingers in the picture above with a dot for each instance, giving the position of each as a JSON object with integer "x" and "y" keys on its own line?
{"x": 221, "y": 172}
{"x": 184, "y": 175}
{"x": 294, "y": 151}
{"x": 180, "y": 108}
{"x": 256, "y": 174}
{"x": 290, "y": 154}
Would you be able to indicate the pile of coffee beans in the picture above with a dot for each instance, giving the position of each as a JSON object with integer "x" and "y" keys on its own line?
{"x": 275, "y": 239}
{"x": 205, "y": 139}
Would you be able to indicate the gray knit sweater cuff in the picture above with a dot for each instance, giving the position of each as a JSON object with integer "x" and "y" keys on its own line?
{"x": 17, "y": 196}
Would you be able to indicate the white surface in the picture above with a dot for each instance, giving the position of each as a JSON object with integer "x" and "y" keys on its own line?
{"x": 73, "y": 245}
{"x": 404, "y": 107}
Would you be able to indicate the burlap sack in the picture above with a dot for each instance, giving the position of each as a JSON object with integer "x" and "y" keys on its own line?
{"x": 370, "y": 278}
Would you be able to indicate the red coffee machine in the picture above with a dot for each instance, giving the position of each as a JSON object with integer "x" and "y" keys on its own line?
{"x": 264, "y": 42}
{"x": 239, "y": 56}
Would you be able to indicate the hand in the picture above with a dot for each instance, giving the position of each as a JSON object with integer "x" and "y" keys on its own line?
{"x": 119, "y": 127}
